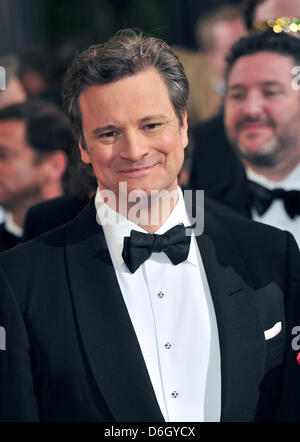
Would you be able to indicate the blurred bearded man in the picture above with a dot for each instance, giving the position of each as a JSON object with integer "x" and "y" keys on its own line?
{"x": 262, "y": 114}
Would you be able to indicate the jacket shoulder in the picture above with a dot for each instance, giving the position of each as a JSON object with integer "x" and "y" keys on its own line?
{"x": 241, "y": 226}
{"x": 27, "y": 253}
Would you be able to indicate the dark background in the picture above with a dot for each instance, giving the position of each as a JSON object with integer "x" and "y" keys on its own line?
{"x": 26, "y": 23}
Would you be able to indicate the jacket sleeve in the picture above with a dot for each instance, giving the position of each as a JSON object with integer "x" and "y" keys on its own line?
{"x": 17, "y": 396}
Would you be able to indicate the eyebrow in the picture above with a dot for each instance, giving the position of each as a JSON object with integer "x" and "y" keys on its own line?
{"x": 109, "y": 127}
{"x": 154, "y": 117}
{"x": 262, "y": 83}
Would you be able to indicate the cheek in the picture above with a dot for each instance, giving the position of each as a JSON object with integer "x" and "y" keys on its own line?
{"x": 172, "y": 144}
{"x": 164, "y": 143}
{"x": 282, "y": 112}
{"x": 281, "y": 115}
{"x": 100, "y": 158}
{"x": 232, "y": 116}
{"x": 19, "y": 171}
{"x": 18, "y": 177}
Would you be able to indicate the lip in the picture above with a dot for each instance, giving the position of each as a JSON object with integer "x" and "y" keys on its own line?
{"x": 138, "y": 170}
{"x": 254, "y": 126}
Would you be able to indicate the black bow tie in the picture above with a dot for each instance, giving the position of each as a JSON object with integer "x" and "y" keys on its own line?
{"x": 138, "y": 247}
{"x": 261, "y": 198}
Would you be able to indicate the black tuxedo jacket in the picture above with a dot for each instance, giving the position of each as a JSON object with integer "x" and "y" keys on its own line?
{"x": 7, "y": 239}
{"x": 71, "y": 351}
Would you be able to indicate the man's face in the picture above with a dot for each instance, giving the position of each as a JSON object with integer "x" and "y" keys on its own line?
{"x": 132, "y": 134}
{"x": 221, "y": 37}
{"x": 262, "y": 110}
{"x": 21, "y": 176}
{"x": 277, "y": 8}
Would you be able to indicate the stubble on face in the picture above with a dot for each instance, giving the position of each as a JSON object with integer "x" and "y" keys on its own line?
{"x": 262, "y": 112}
{"x": 274, "y": 150}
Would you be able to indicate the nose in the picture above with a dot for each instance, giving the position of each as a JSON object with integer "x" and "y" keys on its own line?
{"x": 253, "y": 105}
{"x": 134, "y": 147}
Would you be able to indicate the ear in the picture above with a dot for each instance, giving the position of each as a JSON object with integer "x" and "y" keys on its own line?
{"x": 85, "y": 157}
{"x": 184, "y": 130}
{"x": 56, "y": 165}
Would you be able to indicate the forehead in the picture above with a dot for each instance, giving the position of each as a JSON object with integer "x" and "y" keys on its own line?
{"x": 262, "y": 67}
{"x": 128, "y": 97}
{"x": 277, "y": 8}
{"x": 227, "y": 31}
{"x": 12, "y": 132}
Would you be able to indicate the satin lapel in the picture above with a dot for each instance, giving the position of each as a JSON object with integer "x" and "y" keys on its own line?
{"x": 239, "y": 329}
{"x": 105, "y": 327}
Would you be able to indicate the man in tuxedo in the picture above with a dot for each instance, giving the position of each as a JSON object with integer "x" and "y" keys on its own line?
{"x": 118, "y": 316}
{"x": 35, "y": 140}
{"x": 262, "y": 112}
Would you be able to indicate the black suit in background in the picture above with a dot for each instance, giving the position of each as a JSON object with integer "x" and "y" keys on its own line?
{"x": 52, "y": 213}
{"x": 72, "y": 353}
{"x": 7, "y": 239}
{"x": 216, "y": 167}
{"x": 43, "y": 217}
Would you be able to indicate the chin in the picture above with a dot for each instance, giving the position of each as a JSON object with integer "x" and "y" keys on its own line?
{"x": 260, "y": 159}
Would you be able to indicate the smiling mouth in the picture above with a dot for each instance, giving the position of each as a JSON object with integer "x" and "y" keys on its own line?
{"x": 137, "y": 169}
{"x": 254, "y": 126}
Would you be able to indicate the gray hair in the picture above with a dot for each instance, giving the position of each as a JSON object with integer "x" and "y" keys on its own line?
{"x": 127, "y": 53}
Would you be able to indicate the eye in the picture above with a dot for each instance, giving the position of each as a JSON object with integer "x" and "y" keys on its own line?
{"x": 271, "y": 92}
{"x": 152, "y": 126}
{"x": 4, "y": 156}
{"x": 109, "y": 134}
{"x": 237, "y": 96}
{"x": 108, "y": 137}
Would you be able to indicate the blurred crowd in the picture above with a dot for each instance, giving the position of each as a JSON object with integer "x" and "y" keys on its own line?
{"x": 244, "y": 132}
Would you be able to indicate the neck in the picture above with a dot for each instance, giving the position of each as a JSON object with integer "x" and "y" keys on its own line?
{"x": 151, "y": 213}
{"x": 51, "y": 191}
{"x": 148, "y": 212}
{"x": 276, "y": 173}
{"x": 18, "y": 218}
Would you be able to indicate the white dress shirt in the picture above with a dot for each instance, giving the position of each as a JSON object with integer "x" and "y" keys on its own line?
{"x": 2, "y": 215}
{"x": 276, "y": 214}
{"x": 174, "y": 320}
{"x": 12, "y": 227}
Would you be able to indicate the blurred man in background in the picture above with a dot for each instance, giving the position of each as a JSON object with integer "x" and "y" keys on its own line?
{"x": 11, "y": 90}
{"x": 262, "y": 114}
{"x": 35, "y": 139}
{"x": 216, "y": 31}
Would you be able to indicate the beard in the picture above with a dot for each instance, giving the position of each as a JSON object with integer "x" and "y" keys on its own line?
{"x": 264, "y": 158}
{"x": 271, "y": 152}
{"x": 11, "y": 200}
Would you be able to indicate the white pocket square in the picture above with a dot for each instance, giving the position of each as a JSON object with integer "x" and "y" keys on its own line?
{"x": 269, "y": 334}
